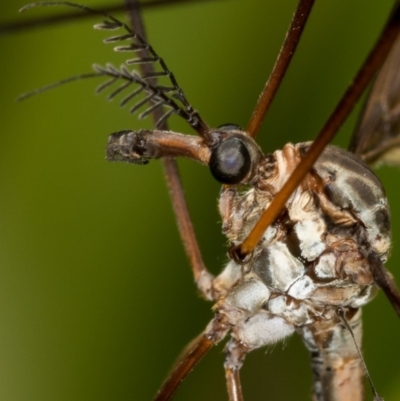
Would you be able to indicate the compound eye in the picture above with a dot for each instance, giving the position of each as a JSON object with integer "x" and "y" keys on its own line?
{"x": 230, "y": 161}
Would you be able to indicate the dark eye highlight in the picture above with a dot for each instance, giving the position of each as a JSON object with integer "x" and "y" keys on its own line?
{"x": 230, "y": 161}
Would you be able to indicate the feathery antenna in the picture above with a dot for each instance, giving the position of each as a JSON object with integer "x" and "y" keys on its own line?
{"x": 170, "y": 96}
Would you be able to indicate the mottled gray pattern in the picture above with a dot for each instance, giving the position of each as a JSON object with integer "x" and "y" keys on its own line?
{"x": 314, "y": 258}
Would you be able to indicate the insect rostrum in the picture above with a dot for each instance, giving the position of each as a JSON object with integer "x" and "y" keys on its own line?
{"x": 60, "y": 252}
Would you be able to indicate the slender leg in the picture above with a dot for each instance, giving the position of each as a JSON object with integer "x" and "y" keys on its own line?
{"x": 215, "y": 330}
{"x": 190, "y": 357}
{"x": 233, "y": 383}
{"x": 185, "y": 365}
{"x": 385, "y": 280}
{"x": 281, "y": 65}
{"x": 235, "y": 354}
{"x": 367, "y": 71}
{"x": 202, "y": 277}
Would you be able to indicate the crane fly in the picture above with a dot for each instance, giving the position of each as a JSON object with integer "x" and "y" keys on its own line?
{"x": 235, "y": 131}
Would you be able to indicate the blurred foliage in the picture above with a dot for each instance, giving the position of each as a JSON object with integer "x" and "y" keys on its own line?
{"x": 96, "y": 296}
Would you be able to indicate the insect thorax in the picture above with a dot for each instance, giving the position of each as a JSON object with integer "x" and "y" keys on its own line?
{"x": 314, "y": 259}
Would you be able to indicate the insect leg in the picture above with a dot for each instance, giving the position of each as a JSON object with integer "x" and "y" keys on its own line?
{"x": 251, "y": 325}
{"x": 367, "y": 71}
{"x": 194, "y": 353}
{"x": 190, "y": 357}
{"x": 281, "y": 65}
{"x": 235, "y": 354}
{"x": 202, "y": 277}
{"x": 385, "y": 281}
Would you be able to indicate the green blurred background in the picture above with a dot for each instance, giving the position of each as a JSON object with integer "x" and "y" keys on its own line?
{"x": 96, "y": 296}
